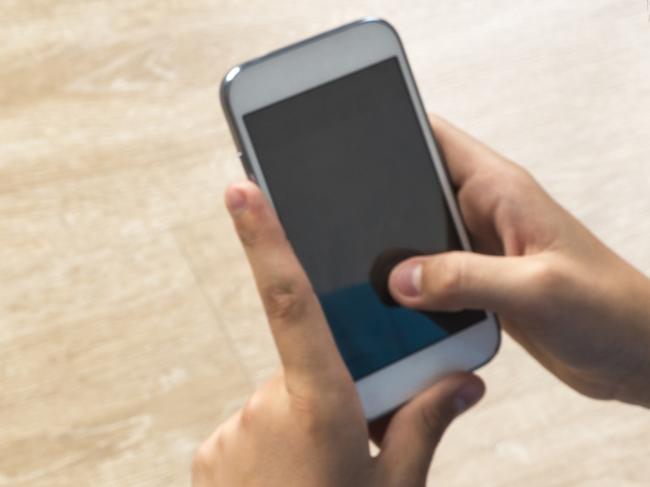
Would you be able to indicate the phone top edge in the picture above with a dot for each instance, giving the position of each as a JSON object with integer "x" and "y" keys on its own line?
{"x": 232, "y": 73}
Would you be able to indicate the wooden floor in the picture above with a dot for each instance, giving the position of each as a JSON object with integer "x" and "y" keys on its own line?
{"x": 129, "y": 325}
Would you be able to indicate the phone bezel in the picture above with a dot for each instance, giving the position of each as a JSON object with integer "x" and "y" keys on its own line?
{"x": 311, "y": 63}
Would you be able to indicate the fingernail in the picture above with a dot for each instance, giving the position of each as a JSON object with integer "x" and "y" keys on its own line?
{"x": 408, "y": 277}
{"x": 235, "y": 200}
{"x": 467, "y": 396}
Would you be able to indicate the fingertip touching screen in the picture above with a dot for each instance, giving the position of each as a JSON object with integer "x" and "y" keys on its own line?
{"x": 354, "y": 185}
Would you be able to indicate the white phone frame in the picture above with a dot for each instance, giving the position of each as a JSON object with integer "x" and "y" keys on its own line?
{"x": 311, "y": 63}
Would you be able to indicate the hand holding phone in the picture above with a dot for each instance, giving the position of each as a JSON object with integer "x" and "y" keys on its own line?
{"x": 576, "y": 306}
{"x": 307, "y": 422}
{"x": 572, "y": 303}
{"x": 306, "y": 426}
{"x": 333, "y": 131}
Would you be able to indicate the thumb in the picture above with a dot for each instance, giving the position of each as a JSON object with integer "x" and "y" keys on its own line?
{"x": 460, "y": 280}
{"x": 415, "y": 430}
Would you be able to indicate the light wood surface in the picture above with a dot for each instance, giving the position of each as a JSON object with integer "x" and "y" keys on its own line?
{"x": 129, "y": 324}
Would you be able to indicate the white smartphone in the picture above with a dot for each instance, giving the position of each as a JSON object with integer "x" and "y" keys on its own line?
{"x": 334, "y": 132}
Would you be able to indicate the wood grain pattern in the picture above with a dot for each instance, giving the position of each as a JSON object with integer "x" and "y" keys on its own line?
{"x": 129, "y": 323}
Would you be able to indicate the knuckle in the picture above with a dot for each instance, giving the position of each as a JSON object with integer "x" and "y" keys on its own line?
{"x": 435, "y": 421}
{"x": 313, "y": 416}
{"x": 520, "y": 173}
{"x": 320, "y": 412}
{"x": 285, "y": 299}
{"x": 442, "y": 280}
{"x": 203, "y": 458}
{"x": 513, "y": 172}
{"x": 314, "y": 411}
{"x": 221, "y": 439}
{"x": 511, "y": 178}
{"x": 545, "y": 276}
{"x": 522, "y": 183}
{"x": 251, "y": 410}
{"x": 248, "y": 235}
{"x": 302, "y": 399}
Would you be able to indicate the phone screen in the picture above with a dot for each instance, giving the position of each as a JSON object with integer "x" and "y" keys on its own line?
{"x": 352, "y": 180}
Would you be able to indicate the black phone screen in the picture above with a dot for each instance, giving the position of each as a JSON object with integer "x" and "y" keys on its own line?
{"x": 355, "y": 188}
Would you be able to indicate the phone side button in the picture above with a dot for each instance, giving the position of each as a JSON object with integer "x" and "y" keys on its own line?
{"x": 247, "y": 167}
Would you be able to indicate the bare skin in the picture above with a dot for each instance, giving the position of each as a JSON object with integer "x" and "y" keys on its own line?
{"x": 578, "y": 308}
{"x": 306, "y": 426}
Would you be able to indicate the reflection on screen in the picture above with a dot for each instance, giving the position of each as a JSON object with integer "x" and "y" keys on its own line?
{"x": 353, "y": 181}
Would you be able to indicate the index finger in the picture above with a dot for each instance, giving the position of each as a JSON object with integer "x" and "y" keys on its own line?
{"x": 465, "y": 155}
{"x": 303, "y": 338}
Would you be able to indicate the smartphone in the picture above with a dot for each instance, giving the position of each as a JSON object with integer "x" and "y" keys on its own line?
{"x": 333, "y": 131}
